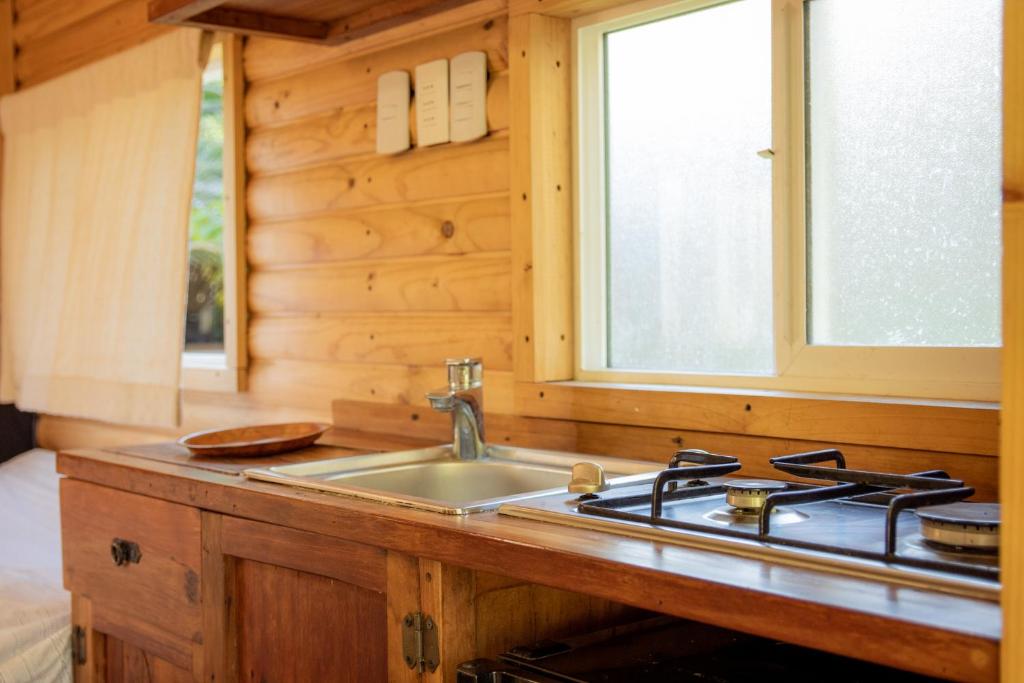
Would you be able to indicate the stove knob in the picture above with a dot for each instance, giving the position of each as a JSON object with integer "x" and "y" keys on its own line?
{"x": 587, "y": 477}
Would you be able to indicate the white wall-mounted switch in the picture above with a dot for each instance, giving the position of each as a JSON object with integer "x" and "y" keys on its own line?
{"x": 432, "y": 103}
{"x": 393, "y": 112}
{"x": 469, "y": 96}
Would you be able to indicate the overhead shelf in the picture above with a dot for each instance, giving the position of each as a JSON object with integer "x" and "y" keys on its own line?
{"x": 328, "y": 22}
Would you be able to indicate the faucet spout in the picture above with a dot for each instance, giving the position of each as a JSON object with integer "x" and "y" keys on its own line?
{"x": 464, "y": 399}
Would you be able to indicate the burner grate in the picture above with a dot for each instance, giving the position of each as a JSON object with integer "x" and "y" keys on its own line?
{"x": 896, "y": 492}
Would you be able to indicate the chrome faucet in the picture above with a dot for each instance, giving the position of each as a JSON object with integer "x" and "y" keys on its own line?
{"x": 464, "y": 399}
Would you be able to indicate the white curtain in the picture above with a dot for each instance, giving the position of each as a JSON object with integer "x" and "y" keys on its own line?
{"x": 97, "y": 179}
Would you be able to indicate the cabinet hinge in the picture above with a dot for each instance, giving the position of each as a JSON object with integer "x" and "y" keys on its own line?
{"x": 419, "y": 642}
{"x": 78, "y": 649}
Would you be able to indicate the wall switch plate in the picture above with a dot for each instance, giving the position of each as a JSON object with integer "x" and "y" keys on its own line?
{"x": 393, "y": 112}
{"x": 432, "y": 103}
{"x": 469, "y": 96}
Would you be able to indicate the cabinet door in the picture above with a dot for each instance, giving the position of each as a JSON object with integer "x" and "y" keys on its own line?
{"x": 303, "y": 607}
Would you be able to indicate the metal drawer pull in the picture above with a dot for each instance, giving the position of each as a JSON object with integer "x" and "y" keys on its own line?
{"x": 122, "y": 552}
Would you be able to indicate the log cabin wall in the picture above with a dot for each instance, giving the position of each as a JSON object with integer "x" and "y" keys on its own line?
{"x": 366, "y": 271}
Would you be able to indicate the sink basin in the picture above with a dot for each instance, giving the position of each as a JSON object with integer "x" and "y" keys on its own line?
{"x": 434, "y": 479}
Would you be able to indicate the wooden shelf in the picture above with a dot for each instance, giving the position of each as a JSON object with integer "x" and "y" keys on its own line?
{"x": 328, "y": 22}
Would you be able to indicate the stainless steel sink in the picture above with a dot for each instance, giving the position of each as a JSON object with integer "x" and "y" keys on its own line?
{"x": 435, "y": 479}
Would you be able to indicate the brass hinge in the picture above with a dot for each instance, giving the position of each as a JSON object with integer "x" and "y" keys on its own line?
{"x": 78, "y": 649}
{"x": 419, "y": 642}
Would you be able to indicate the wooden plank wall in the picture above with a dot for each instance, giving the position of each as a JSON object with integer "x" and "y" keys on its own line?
{"x": 52, "y": 37}
{"x": 365, "y": 271}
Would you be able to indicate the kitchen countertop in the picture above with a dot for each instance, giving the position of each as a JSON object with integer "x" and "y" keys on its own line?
{"x": 933, "y": 633}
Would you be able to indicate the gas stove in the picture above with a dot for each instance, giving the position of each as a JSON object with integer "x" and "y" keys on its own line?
{"x": 914, "y": 529}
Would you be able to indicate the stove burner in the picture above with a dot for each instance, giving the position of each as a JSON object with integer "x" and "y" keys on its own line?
{"x": 734, "y": 515}
{"x": 973, "y": 526}
{"x": 748, "y": 494}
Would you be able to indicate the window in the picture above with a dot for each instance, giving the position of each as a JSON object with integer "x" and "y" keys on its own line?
{"x": 204, "y": 317}
{"x": 214, "y": 356}
{"x": 791, "y": 195}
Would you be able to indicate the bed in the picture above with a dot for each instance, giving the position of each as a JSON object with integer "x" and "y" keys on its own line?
{"x": 35, "y": 612}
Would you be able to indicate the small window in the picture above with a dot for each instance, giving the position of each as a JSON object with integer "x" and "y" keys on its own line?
{"x": 214, "y": 357}
{"x": 204, "y": 317}
{"x": 786, "y": 195}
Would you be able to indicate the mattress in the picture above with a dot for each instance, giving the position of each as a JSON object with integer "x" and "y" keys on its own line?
{"x": 35, "y": 611}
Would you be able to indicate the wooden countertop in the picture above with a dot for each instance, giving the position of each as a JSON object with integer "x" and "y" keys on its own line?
{"x": 941, "y": 635}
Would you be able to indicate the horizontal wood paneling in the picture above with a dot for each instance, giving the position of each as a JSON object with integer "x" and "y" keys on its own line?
{"x": 346, "y": 132}
{"x": 445, "y": 227}
{"x": 969, "y": 429}
{"x": 43, "y": 18}
{"x": 269, "y": 58}
{"x": 415, "y": 339}
{"x": 315, "y": 385}
{"x": 478, "y": 282}
{"x": 424, "y": 174}
{"x": 354, "y": 81}
{"x": 101, "y": 34}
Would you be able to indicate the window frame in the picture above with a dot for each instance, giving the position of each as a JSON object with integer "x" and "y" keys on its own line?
{"x": 958, "y": 373}
{"x": 227, "y": 371}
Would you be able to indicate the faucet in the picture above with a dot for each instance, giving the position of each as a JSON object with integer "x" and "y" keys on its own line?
{"x": 464, "y": 399}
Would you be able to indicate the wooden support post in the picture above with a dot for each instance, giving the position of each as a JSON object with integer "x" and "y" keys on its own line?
{"x": 540, "y": 194}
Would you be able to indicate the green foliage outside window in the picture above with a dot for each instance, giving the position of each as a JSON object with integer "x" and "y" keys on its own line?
{"x": 204, "y": 323}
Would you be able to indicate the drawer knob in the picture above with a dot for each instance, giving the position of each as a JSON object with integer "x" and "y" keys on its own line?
{"x": 123, "y": 552}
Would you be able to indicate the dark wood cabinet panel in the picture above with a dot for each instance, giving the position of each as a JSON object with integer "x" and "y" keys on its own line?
{"x": 126, "y": 663}
{"x": 295, "y": 626}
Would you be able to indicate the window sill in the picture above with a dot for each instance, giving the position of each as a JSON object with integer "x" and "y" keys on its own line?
{"x": 208, "y": 371}
{"x": 929, "y": 425}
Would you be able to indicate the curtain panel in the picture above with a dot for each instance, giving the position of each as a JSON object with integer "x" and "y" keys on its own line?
{"x": 97, "y": 182}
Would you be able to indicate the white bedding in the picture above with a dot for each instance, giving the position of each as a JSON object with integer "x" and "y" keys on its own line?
{"x": 35, "y": 613}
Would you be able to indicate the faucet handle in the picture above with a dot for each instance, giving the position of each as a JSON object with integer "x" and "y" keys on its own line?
{"x": 464, "y": 373}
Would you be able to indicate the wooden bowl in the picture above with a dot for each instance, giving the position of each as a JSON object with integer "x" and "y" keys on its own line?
{"x": 259, "y": 440}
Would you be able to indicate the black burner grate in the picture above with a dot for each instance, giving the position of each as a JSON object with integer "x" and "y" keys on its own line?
{"x": 896, "y": 492}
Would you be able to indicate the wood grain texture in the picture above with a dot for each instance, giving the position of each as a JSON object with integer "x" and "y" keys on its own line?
{"x": 112, "y": 30}
{"x": 164, "y": 588}
{"x": 968, "y": 428}
{"x": 442, "y": 227}
{"x": 353, "y": 82}
{"x": 269, "y": 58}
{"x": 294, "y": 626}
{"x": 347, "y": 132}
{"x": 353, "y": 563}
{"x": 235, "y": 227}
{"x": 434, "y": 173}
{"x": 403, "y": 597}
{"x": 540, "y": 195}
{"x": 386, "y": 338}
{"x": 446, "y": 595}
{"x": 7, "y": 49}
{"x": 127, "y": 663}
{"x": 220, "y": 639}
{"x": 473, "y": 282}
{"x": 1011, "y": 459}
{"x": 94, "y": 669}
{"x": 565, "y": 9}
{"x": 312, "y": 385}
{"x": 880, "y": 622}
{"x": 39, "y": 19}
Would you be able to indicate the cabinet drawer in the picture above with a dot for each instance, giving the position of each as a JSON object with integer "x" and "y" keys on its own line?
{"x": 137, "y": 558}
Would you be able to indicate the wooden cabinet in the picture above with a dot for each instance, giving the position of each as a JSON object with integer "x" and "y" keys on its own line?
{"x": 137, "y": 561}
{"x": 164, "y": 592}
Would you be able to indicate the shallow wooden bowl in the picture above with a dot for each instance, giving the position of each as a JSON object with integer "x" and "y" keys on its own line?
{"x": 259, "y": 440}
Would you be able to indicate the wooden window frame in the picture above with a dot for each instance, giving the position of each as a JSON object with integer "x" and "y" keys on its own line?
{"x": 227, "y": 372}
{"x": 544, "y": 291}
{"x": 959, "y": 373}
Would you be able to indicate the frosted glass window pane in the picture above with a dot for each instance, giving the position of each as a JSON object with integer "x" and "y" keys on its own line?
{"x": 689, "y": 200}
{"x": 904, "y": 173}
